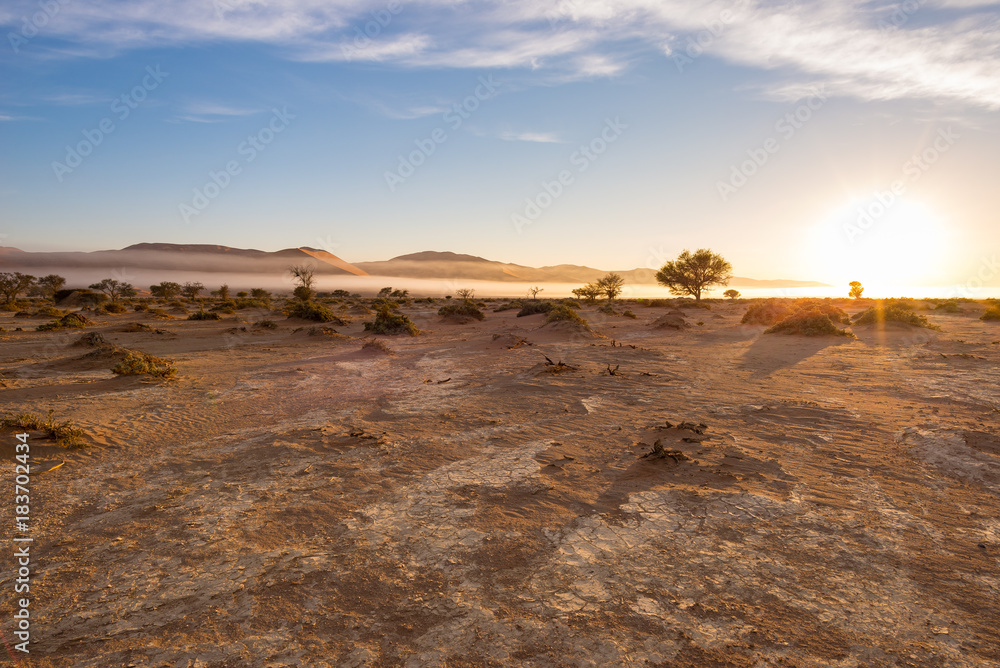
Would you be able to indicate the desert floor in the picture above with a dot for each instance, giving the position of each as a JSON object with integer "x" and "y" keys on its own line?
{"x": 295, "y": 500}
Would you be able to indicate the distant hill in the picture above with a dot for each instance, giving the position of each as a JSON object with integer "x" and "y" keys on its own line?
{"x": 183, "y": 257}
{"x": 425, "y": 264}
{"x": 438, "y": 264}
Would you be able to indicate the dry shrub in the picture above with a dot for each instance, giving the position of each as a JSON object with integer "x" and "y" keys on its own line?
{"x": 808, "y": 322}
{"x": 767, "y": 312}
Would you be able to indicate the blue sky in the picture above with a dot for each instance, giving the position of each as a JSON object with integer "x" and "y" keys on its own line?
{"x": 801, "y": 140}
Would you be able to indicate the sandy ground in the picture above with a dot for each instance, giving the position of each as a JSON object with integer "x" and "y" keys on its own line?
{"x": 294, "y": 500}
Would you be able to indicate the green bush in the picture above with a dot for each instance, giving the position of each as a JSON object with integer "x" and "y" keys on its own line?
{"x": 112, "y": 307}
{"x": 563, "y": 313}
{"x": 950, "y": 306}
{"x": 629, "y": 314}
{"x": 824, "y": 306}
{"x": 656, "y": 302}
{"x": 808, "y": 322}
{"x": 515, "y": 304}
{"x": 892, "y": 311}
{"x": 532, "y": 308}
{"x": 466, "y": 309}
{"x": 68, "y": 321}
{"x": 266, "y": 324}
{"x": 243, "y": 303}
{"x": 608, "y": 309}
{"x": 572, "y": 303}
{"x": 140, "y": 306}
{"x": 992, "y": 313}
{"x": 387, "y": 322}
{"x": 313, "y": 311}
{"x": 204, "y": 315}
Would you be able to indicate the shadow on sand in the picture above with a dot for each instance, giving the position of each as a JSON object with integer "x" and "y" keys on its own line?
{"x": 774, "y": 352}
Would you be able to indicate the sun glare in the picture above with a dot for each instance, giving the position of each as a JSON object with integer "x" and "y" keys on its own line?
{"x": 888, "y": 243}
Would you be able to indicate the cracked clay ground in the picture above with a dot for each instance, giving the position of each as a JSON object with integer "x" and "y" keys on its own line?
{"x": 292, "y": 500}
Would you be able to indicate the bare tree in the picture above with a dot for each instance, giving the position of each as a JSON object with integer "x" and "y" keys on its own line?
{"x": 466, "y": 293}
{"x": 534, "y": 290}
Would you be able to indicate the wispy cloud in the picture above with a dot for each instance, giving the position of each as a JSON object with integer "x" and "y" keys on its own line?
{"x": 537, "y": 137}
{"x": 950, "y": 50}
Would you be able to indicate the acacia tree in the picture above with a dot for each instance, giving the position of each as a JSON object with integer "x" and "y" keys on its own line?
{"x": 222, "y": 292}
{"x": 611, "y": 285}
{"x": 114, "y": 289}
{"x": 191, "y": 290}
{"x": 590, "y": 292}
{"x": 691, "y": 273}
{"x": 165, "y": 290}
{"x": 534, "y": 290}
{"x": 732, "y": 294}
{"x": 13, "y": 284}
{"x": 466, "y": 293}
{"x": 305, "y": 276}
{"x": 856, "y": 289}
{"x": 48, "y": 286}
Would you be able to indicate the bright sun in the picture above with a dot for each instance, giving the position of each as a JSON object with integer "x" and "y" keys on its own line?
{"x": 885, "y": 244}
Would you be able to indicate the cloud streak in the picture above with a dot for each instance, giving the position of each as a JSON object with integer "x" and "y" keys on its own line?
{"x": 944, "y": 50}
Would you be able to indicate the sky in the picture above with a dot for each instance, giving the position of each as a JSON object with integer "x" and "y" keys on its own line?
{"x": 805, "y": 140}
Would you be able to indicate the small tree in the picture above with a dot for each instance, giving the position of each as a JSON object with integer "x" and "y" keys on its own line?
{"x": 191, "y": 290}
{"x": 692, "y": 273}
{"x": 611, "y": 285}
{"x": 13, "y": 284}
{"x": 534, "y": 290}
{"x": 732, "y": 294}
{"x": 305, "y": 276}
{"x": 165, "y": 290}
{"x": 856, "y": 289}
{"x": 114, "y": 289}
{"x": 590, "y": 292}
{"x": 384, "y": 293}
{"x": 466, "y": 293}
{"x": 48, "y": 286}
{"x": 260, "y": 294}
{"x": 222, "y": 292}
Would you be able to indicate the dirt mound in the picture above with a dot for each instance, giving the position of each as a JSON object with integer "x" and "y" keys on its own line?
{"x": 670, "y": 321}
{"x": 509, "y": 341}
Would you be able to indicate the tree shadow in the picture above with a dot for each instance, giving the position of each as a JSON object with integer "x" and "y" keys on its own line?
{"x": 774, "y": 352}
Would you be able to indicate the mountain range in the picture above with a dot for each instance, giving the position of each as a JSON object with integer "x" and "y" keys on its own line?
{"x": 424, "y": 265}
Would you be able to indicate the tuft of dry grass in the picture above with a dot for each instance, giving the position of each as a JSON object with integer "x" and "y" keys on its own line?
{"x": 138, "y": 363}
{"x": 64, "y": 433}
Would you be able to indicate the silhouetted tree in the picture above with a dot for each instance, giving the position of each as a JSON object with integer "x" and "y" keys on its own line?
{"x": 732, "y": 294}
{"x": 856, "y": 289}
{"x": 692, "y": 273}
{"x": 611, "y": 285}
